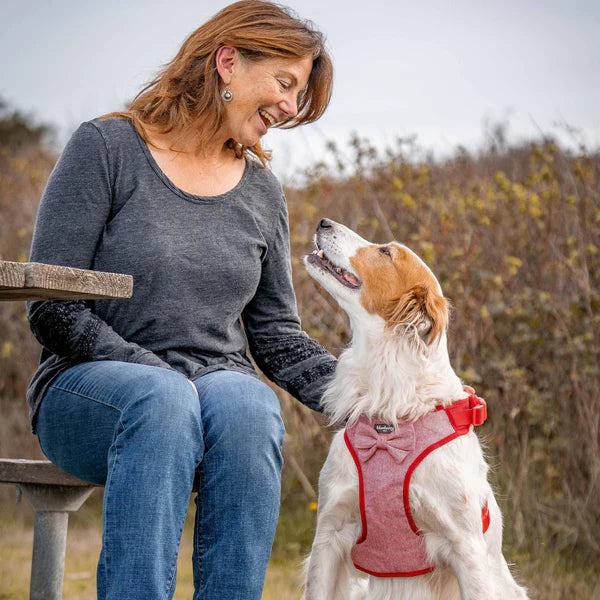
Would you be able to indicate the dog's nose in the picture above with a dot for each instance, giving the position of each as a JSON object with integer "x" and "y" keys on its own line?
{"x": 325, "y": 224}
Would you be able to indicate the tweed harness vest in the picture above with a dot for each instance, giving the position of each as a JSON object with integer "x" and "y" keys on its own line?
{"x": 390, "y": 544}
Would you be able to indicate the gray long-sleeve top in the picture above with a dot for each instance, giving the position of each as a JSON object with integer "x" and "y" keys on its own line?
{"x": 209, "y": 272}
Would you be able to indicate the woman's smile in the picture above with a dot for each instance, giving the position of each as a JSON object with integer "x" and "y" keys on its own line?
{"x": 267, "y": 118}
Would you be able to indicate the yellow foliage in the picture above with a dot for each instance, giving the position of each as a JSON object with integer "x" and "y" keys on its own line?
{"x": 408, "y": 201}
{"x": 503, "y": 182}
{"x": 534, "y": 206}
{"x": 513, "y": 260}
{"x": 513, "y": 263}
{"x": 519, "y": 191}
{"x": 428, "y": 252}
{"x": 469, "y": 374}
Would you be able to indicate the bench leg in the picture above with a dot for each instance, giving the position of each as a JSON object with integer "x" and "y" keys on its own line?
{"x": 48, "y": 561}
{"x": 52, "y": 505}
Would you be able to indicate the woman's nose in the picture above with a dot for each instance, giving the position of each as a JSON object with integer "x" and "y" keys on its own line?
{"x": 289, "y": 107}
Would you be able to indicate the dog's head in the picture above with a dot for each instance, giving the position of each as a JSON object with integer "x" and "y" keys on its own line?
{"x": 389, "y": 282}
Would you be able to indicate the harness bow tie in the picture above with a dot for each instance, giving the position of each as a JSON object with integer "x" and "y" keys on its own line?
{"x": 398, "y": 443}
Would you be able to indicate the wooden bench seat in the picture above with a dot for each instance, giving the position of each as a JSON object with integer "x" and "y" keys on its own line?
{"x": 53, "y": 494}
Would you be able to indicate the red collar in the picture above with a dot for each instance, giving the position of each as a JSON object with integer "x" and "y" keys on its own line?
{"x": 463, "y": 413}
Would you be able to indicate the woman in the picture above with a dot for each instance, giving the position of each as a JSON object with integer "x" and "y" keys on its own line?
{"x": 137, "y": 394}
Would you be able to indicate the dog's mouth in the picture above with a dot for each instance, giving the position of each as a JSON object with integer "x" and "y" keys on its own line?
{"x": 318, "y": 258}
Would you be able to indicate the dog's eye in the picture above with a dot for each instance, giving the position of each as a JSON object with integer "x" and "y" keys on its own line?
{"x": 385, "y": 250}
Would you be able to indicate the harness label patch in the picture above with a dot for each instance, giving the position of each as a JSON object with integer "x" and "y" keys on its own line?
{"x": 383, "y": 428}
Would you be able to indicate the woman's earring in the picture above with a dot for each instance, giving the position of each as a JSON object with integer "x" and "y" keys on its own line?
{"x": 227, "y": 95}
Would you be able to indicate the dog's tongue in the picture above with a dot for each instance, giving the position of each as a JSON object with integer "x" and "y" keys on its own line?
{"x": 350, "y": 278}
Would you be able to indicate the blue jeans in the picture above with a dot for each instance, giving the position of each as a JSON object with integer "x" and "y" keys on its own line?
{"x": 142, "y": 431}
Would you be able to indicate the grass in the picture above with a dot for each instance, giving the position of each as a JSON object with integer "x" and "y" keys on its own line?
{"x": 83, "y": 548}
{"x": 548, "y": 577}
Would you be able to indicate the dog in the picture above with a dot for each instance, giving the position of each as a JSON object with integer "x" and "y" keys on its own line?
{"x": 429, "y": 528}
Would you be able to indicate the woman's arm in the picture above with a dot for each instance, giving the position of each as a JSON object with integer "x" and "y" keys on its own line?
{"x": 71, "y": 218}
{"x": 285, "y": 354}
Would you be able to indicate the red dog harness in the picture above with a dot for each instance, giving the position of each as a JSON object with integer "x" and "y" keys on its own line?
{"x": 390, "y": 544}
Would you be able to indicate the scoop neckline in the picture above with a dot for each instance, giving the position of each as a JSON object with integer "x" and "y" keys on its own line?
{"x": 182, "y": 193}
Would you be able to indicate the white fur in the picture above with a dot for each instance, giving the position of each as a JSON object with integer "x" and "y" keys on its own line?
{"x": 394, "y": 374}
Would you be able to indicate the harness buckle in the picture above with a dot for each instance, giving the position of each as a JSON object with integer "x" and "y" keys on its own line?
{"x": 478, "y": 410}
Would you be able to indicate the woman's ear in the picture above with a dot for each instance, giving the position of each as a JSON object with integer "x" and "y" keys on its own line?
{"x": 425, "y": 310}
{"x": 226, "y": 58}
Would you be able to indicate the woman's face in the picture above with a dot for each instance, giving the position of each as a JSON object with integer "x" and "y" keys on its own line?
{"x": 264, "y": 93}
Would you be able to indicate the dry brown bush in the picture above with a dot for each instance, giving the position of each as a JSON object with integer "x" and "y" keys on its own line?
{"x": 25, "y": 165}
{"x": 513, "y": 235}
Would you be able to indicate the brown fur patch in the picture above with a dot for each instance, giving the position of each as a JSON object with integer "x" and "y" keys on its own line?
{"x": 400, "y": 289}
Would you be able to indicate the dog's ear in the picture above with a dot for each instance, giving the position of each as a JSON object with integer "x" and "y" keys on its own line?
{"x": 423, "y": 309}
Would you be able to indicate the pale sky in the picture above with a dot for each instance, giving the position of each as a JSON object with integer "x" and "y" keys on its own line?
{"x": 435, "y": 68}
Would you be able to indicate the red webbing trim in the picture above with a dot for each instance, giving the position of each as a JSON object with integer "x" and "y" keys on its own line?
{"x": 401, "y": 574}
{"x": 361, "y": 488}
{"x": 485, "y": 517}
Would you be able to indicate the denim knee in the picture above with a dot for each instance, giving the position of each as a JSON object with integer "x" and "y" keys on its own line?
{"x": 257, "y": 414}
{"x": 260, "y": 413}
{"x": 166, "y": 405}
{"x": 241, "y": 412}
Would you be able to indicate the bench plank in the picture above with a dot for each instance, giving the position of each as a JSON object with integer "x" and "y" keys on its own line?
{"x": 27, "y": 281}
{"x": 43, "y": 472}
{"x": 18, "y": 470}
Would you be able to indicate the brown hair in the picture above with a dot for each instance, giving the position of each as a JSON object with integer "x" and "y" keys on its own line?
{"x": 186, "y": 92}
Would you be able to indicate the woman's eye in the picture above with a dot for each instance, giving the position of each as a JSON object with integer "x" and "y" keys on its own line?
{"x": 385, "y": 250}
{"x": 284, "y": 85}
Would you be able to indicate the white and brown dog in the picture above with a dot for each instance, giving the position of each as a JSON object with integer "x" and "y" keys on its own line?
{"x": 405, "y": 508}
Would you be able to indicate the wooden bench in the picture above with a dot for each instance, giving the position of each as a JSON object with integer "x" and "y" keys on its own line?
{"x": 52, "y": 492}
{"x": 53, "y": 495}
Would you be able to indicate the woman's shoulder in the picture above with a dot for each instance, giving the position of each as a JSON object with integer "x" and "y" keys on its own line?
{"x": 265, "y": 183}
{"x": 114, "y": 139}
{"x": 105, "y": 135}
{"x": 114, "y": 130}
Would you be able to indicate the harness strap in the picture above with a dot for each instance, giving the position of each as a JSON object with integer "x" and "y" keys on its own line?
{"x": 463, "y": 414}
{"x": 485, "y": 517}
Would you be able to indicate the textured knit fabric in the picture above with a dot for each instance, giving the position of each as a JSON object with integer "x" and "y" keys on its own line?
{"x": 390, "y": 544}
{"x": 210, "y": 273}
